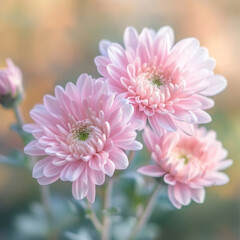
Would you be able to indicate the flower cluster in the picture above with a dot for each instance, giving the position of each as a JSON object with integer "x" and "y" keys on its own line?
{"x": 83, "y": 131}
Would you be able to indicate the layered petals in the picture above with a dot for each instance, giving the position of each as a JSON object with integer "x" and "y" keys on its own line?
{"x": 188, "y": 163}
{"x": 167, "y": 84}
{"x": 82, "y": 133}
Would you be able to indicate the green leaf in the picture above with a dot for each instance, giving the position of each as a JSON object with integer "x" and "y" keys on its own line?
{"x": 112, "y": 211}
{"x": 16, "y": 158}
{"x": 26, "y": 137}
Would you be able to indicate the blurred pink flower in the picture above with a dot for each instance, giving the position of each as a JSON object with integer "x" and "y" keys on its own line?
{"x": 11, "y": 88}
{"x": 166, "y": 83}
{"x": 188, "y": 163}
{"x": 83, "y": 130}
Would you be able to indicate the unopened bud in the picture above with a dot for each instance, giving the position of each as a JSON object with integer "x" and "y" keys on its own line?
{"x": 11, "y": 89}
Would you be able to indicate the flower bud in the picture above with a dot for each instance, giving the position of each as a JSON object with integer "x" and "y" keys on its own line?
{"x": 11, "y": 89}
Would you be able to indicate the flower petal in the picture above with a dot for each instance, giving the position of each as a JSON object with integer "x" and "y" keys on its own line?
{"x": 109, "y": 168}
{"x": 79, "y": 189}
{"x": 130, "y": 38}
{"x": 91, "y": 192}
{"x": 39, "y": 166}
{"x": 152, "y": 171}
{"x": 47, "y": 180}
{"x": 198, "y": 195}
{"x": 217, "y": 84}
{"x": 32, "y": 149}
{"x": 172, "y": 197}
{"x": 119, "y": 158}
{"x": 182, "y": 194}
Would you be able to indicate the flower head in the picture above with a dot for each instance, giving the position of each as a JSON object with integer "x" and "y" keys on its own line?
{"x": 167, "y": 84}
{"x": 188, "y": 163}
{"x": 11, "y": 89}
{"x": 83, "y": 130}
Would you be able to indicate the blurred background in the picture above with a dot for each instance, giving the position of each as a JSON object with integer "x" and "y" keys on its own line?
{"x": 53, "y": 41}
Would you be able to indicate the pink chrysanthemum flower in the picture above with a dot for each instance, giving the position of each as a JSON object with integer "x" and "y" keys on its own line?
{"x": 167, "y": 84}
{"x": 11, "y": 89}
{"x": 188, "y": 163}
{"x": 83, "y": 131}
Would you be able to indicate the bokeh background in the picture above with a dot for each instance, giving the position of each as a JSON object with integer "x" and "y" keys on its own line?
{"x": 53, "y": 41}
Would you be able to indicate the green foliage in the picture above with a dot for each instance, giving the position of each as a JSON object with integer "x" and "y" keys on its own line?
{"x": 26, "y": 137}
{"x": 112, "y": 211}
{"x": 16, "y": 158}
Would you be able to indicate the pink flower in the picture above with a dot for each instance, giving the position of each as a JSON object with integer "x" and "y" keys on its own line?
{"x": 83, "y": 130}
{"x": 188, "y": 163}
{"x": 11, "y": 89}
{"x": 167, "y": 84}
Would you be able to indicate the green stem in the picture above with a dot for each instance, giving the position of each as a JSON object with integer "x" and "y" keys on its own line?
{"x": 131, "y": 156}
{"x": 94, "y": 218}
{"x": 18, "y": 116}
{"x": 44, "y": 190}
{"x": 45, "y": 196}
{"x": 140, "y": 223}
{"x": 107, "y": 205}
